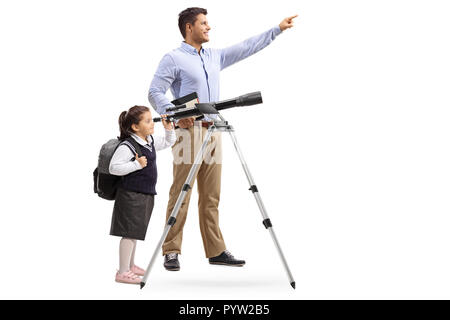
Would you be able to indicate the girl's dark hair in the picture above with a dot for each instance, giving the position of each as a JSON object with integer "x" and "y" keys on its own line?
{"x": 127, "y": 118}
{"x": 189, "y": 15}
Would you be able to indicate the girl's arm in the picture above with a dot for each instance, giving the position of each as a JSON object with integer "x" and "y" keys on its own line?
{"x": 167, "y": 141}
{"x": 121, "y": 163}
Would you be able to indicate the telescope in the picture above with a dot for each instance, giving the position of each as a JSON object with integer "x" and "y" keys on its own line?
{"x": 200, "y": 109}
{"x": 189, "y": 106}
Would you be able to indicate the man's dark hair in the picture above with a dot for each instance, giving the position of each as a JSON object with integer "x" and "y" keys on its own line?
{"x": 189, "y": 15}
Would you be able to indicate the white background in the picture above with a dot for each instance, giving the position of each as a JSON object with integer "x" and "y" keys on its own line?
{"x": 350, "y": 149}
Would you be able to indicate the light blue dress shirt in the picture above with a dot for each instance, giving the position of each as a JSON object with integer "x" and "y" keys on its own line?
{"x": 185, "y": 70}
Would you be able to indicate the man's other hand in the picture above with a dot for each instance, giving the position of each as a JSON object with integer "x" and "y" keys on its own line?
{"x": 186, "y": 122}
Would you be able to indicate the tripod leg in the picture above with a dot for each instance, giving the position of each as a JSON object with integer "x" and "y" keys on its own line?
{"x": 267, "y": 223}
{"x": 173, "y": 216}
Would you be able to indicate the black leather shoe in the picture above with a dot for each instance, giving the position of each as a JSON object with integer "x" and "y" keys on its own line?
{"x": 226, "y": 259}
{"x": 171, "y": 262}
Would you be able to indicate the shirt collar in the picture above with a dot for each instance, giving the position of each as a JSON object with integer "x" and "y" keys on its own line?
{"x": 190, "y": 49}
{"x": 139, "y": 140}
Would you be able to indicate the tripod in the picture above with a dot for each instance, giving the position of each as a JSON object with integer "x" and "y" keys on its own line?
{"x": 221, "y": 126}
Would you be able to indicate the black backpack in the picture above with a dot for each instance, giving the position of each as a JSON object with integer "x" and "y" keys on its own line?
{"x": 105, "y": 184}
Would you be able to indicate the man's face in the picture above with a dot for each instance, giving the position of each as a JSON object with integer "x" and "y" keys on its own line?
{"x": 199, "y": 29}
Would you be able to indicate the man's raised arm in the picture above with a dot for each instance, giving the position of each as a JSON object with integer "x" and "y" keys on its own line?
{"x": 242, "y": 50}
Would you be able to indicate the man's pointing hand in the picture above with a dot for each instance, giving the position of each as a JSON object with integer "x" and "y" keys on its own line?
{"x": 287, "y": 23}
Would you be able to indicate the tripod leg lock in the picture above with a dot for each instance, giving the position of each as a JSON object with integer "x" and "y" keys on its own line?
{"x": 253, "y": 188}
{"x": 171, "y": 221}
{"x": 186, "y": 187}
{"x": 267, "y": 223}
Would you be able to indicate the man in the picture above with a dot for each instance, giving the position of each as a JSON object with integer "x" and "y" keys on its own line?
{"x": 192, "y": 68}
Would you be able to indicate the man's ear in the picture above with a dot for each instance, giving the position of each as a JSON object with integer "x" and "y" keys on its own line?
{"x": 188, "y": 28}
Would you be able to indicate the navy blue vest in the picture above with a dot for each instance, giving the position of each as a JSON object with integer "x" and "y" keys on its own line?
{"x": 143, "y": 180}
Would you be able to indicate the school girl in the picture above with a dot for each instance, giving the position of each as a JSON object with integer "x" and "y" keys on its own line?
{"x": 135, "y": 194}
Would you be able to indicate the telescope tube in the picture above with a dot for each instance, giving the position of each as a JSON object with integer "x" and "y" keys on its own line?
{"x": 248, "y": 99}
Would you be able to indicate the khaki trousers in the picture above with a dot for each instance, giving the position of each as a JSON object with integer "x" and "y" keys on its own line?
{"x": 208, "y": 176}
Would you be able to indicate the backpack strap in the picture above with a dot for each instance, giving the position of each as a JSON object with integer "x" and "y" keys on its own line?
{"x": 136, "y": 146}
{"x": 133, "y": 146}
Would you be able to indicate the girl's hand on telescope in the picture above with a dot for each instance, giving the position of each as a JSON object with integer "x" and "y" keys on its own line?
{"x": 167, "y": 124}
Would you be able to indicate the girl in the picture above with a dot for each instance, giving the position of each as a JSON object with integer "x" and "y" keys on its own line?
{"x": 135, "y": 194}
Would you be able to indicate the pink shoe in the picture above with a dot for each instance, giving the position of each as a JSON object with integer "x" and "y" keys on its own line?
{"x": 127, "y": 277}
{"x": 138, "y": 271}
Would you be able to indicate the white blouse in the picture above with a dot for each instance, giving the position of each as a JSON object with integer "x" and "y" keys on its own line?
{"x": 121, "y": 165}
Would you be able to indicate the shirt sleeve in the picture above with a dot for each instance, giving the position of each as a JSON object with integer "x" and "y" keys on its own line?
{"x": 164, "y": 142}
{"x": 164, "y": 76}
{"x": 244, "y": 49}
{"x": 121, "y": 163}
